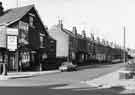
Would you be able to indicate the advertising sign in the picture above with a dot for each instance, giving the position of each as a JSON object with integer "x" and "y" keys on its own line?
{"x": 3, "y": 36}
{"x": 12, "y": 31}
{"x": 12, "y": 42}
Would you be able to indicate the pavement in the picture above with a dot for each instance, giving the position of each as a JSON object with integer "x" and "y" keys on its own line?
{"x": 14, "y": 75}
{"x": 111, "y": 80}
{"x": 104, "y": 81}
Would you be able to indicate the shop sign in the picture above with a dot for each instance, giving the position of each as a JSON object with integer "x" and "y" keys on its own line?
{"x": 3, "y": 36}
{"x": 23, "y": 32}
{"x": 12, "y": 42}
{"x": 12, "y": 31}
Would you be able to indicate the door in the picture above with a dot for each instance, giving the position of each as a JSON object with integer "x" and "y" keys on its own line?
{"x": 11, "y": 63}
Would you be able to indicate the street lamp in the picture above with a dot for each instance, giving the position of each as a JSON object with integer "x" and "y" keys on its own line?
{"x": 124, "y": 45}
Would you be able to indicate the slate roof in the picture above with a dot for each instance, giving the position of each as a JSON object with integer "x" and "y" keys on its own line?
{"x": 72, "y": 34}
{"x": 14, "y": 14}
{"x": 68, "y": 32}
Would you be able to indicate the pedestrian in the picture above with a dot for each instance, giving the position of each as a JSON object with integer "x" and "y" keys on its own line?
{"x": 20, "y": 63}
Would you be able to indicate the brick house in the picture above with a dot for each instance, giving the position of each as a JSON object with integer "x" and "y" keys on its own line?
{"x": 66, "y": 42}
{"x": 70, "y": 45}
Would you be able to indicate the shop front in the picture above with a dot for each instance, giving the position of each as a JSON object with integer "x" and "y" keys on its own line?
{"x": 11, "y": 38}
{"x": 3, "y": 61}
{"x": 42, "y": 58}
{"x": 3, "y": 51}
{"x": 11, "y": 62}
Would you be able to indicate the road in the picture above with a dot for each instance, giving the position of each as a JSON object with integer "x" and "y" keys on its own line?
{"x": 63, "y": 83}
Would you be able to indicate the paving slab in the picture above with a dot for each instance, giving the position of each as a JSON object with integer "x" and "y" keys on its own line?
{"x": 111, "y": 80}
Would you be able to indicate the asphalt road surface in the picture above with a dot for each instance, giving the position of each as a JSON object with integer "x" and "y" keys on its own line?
{"x": 63, "y": 83}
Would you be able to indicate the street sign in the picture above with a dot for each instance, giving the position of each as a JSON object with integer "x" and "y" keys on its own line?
{"x": 12, "y": 31}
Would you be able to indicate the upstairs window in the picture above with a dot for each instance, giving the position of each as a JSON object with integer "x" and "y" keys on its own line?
{"x": 31, "y": 20}
{"x": 41, "y": 41}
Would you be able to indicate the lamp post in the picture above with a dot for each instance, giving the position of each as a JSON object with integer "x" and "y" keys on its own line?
{"x": 17, "y": 3}
{"x": 124, "y": 44}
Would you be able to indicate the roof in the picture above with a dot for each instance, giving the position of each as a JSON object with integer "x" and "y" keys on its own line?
{"x": 72, "y": 34}
{"x": 68, "y": 32}
{"x": 14, "y": 14}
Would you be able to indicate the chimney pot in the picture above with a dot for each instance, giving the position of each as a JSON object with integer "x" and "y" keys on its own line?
{"x": 84, "y": 34}
{"x": 60, "y": 24}
{"x": 74, "y": 30}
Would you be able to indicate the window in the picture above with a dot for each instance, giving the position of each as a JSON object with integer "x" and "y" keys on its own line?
{"x": 41, "y": 41}
{"x": 31, "y": 20}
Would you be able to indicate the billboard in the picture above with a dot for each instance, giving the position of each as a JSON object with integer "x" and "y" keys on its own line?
{"x": 12, "y": 42}
{"x": 12, "y": 38}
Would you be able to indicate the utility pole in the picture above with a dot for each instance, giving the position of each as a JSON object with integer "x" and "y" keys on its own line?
{"x": 17, "y": 3}
{"x": 124, "y": 44}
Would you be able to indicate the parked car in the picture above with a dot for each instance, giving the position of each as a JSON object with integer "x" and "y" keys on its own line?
{"x": 68, "y": 66}
{"x": 131, "y": 61}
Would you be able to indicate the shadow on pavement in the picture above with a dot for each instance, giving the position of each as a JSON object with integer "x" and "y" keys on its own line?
{"x": 49, "y": 90}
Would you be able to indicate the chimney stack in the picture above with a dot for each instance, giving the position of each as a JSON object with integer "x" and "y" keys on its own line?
{"x": 1, "y": 9}
{"x": 84, "y": 34}
{"x": 60, "y": 24}
{"x": 74, "y": 30}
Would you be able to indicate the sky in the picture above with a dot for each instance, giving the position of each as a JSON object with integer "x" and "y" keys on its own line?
{"x": 103, "y": 18}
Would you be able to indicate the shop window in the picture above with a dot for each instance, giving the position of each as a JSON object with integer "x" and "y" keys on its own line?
{"x": 25, "y": 58}
{"x": 51, "y": 41}
{"x": 1, "y": 58}
{"x": 73, "y": 56}
{"x": 44, "y": 56}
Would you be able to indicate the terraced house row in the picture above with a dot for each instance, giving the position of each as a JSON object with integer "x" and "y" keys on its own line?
{"x": 81, "y": 49}
{"x": 26, "y": 44}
